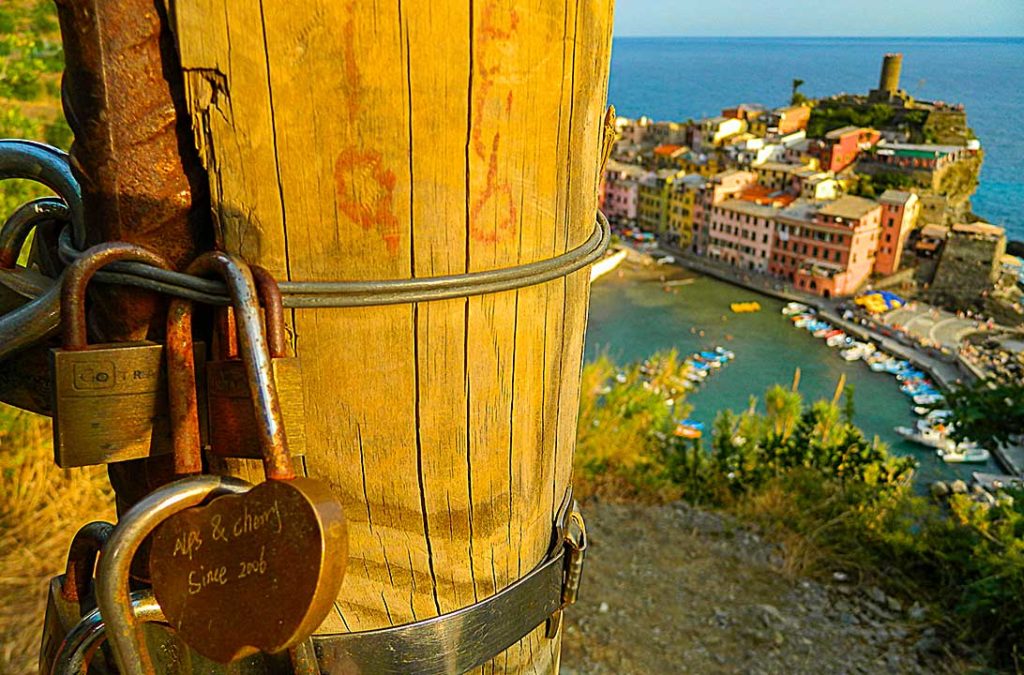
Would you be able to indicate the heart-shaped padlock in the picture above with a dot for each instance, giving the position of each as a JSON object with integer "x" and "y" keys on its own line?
{"x": 257, "y": 571}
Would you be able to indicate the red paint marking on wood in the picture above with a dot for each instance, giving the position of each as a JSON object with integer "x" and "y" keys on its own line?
{"x": 366, "y": 193}
{"x": 504, "y": 205}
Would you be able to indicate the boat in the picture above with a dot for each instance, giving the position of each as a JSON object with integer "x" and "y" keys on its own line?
{"x": 928, "y": 399}
{"x": 837, "y": 340}
{"x": 964, "y": 455}
{"x": 713, "y": 356}
{"x": 914, "y": 389}
{"x": 689, "y": 429}
{"x": 794, "y": 308}
{"x": 857, "y": 350}
{"x": 933, "y": 437}
{"x": 897, "y": 366}
{"x": 832, "y": 333}
{"x": 745, "y": 307}
{"x": 722, "y": 351}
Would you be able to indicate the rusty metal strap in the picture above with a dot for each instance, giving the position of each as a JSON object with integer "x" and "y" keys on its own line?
{"x": 469, "y": 637}
{"x": 324, "y": 294}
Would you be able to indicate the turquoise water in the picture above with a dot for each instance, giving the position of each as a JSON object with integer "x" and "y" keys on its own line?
{"x": 680, "y": 78}
{"x": 631, "y": 318}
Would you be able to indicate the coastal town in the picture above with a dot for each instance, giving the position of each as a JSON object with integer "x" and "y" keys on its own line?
{"x": 856, "y": 209}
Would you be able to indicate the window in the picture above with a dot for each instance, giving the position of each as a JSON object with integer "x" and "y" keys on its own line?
{"x": 888, "y": 236}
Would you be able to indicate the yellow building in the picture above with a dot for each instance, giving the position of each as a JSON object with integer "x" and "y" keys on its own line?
{"x": 681, "y": 205}
{"x": 653, "y": 199}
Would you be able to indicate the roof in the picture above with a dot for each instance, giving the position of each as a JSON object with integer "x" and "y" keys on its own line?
{"x": 626, "y": 170}
{"x": 842, "y": 131}
{"x": 917, "y": 150}
{"x": 850, "y": 207}
{"x": 935, "y": 231}
{"x": 667, "y": 150}
{"x": 982, "y": 229}
{"x": 801, "y": 210}
{"x": 779, "y": 166}
{"x": 762, "y": 195}
{"x": 896, "y": 197}
{"x": 749, "y": 208}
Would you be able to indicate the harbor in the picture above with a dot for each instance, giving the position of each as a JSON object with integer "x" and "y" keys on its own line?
{"x": 637, "y": 310}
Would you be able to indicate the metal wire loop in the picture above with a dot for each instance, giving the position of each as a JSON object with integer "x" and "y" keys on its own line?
{"x": 304, "y": 294}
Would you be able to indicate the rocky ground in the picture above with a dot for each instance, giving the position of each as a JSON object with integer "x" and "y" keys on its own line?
{"x": 674, "y": 589}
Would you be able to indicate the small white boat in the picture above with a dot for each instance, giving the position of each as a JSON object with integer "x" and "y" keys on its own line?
{"x": 928, "y": 437}
{"x": 964, "y": 455}
{"x": 928, "y": 399}
{"x": 836, "y": 340}
{"x": 794, "y": 308}
{"x": 857, "y": 350}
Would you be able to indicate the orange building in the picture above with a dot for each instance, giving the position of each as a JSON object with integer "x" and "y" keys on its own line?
{"x": 899, "y": 215}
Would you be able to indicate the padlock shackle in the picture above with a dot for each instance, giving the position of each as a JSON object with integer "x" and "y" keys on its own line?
{"x": 85, "y": 548}
{"x": 76, "y": 280}
{"x": 273, "y": 309}
{"x": 273, "y": 313}
{"x": 182, "y": 394}
{"x": 16, "y": 229}
{"x": 252, "y": 346}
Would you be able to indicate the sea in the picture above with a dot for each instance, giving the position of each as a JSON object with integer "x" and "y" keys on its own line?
{"x": 633, "y": 315}
{"x": 683, "y": 78}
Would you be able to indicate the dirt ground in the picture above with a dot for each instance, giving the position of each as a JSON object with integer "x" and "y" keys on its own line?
{"x": 673, "y": 589}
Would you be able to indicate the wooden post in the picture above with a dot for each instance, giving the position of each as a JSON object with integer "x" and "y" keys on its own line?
{"x": 349, "y": 140}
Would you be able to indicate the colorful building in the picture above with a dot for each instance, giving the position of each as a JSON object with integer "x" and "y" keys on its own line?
{"x": 837, "y": 248}
{"x": 841, "y": 147}
{"x": 669, "y": 156}
{"x": 619, "y": 194}
{"x": 899, "y": 215}
{"x": 682, "y": 208}
{"x": 781, "y": 121}
{"x": 740, "y": 233}
{"x": 653, "y": 197}
{"x": 719, "y": 188}
{"x": 909, "y": 157}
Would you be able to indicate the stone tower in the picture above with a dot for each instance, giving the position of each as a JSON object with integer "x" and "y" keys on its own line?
{"x": 889, "y": 82}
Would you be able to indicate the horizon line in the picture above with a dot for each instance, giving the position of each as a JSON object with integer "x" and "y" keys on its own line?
{"x": 830, "y": 37}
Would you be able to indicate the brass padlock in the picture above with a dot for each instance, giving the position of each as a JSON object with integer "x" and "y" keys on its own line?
{"x": 230, "y": 411}
{"x": 108, "y": 399}
{"x": 71, "y": 594}
{"x": 277, "y": 552}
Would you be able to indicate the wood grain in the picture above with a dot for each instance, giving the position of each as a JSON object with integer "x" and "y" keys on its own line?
{"x": 356, "y": 140}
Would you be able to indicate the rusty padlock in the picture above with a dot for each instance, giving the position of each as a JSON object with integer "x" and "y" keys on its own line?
{"x": 230, "y": 411}
{"x": 71, "y": 594}
{"x": 109, "y": 400}
{"x": 277, "y": 552}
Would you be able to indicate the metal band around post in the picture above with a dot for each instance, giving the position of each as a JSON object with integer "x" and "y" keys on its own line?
{"x": 469, "y": 637}
{"x": 112, "y": 596}
{"x": 303, "y": 294}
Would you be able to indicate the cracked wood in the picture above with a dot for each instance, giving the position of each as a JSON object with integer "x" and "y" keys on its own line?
{"x": 357, "y": 140}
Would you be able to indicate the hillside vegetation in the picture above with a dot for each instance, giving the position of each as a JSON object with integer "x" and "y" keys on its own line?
{"x": 805, "y": 474}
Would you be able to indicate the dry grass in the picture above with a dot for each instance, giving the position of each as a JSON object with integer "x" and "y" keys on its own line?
{"x": 41, "y": 507}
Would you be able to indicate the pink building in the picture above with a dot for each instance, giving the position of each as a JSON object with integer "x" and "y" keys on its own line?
{"x": 835, "y": 253}
{"x": 740, "y": 233}
{"x": 722, "y": 186}
{"x": 619, "y": 195}
{"x": 899, "y": 215}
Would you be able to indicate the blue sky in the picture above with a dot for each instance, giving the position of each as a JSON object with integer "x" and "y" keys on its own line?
{"x": 867, "y": 18}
